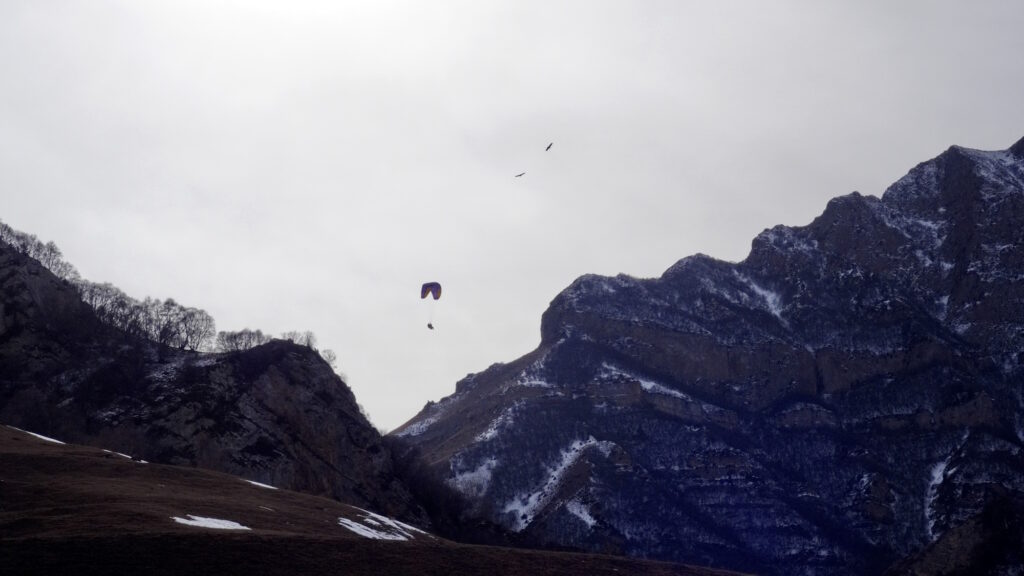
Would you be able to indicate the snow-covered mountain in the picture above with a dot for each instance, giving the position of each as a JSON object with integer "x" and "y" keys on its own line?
{"x": 839, "y": 400}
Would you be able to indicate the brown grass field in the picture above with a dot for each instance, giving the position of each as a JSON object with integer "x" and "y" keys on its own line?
{"x": 68, "y": 509}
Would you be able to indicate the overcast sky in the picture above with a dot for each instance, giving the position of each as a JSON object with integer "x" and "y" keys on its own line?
{"x": 308, "y": 165}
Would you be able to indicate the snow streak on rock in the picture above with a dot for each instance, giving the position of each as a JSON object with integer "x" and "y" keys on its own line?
{"x": 772, "y": 301}
{"x": 655, "y": 388}
{"x": 610, "y": 372}
{"x": 939, "y": 474}
{"x": 937, "y": 477}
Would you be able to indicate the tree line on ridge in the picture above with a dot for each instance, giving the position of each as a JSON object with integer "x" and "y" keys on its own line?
{"x": 165, "y": 322}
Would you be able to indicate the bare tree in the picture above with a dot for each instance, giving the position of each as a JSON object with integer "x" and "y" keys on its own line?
{"x": 226, "y": 342}
{"x": 97, "y": 295}
{"x": 49, "y": 255}
{"x": 330, "y": 357}
{"x": 307, "y": 338}
{"x": 167, "y": 322}
{"x": 241, "y": 340}
{"x": 197, "y": 329}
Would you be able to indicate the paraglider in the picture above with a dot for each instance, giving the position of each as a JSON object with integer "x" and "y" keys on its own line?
{"x": 430, "y": 289}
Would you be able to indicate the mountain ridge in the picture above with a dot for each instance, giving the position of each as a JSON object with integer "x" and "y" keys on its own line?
{"x": 830, "y": 404}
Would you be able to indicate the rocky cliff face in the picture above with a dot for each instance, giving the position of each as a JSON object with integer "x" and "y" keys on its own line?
{"x": 275, "y": 414}
{"x": 837, "y": 401}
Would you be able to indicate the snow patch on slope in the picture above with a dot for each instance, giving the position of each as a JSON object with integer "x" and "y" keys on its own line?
{"x": 474, "y": 482}
{"x": 997, "y": 259}
{"x": 125, "y": 456}
{"x": 581, "y": 511}
{"x": 40, "y": 436}
{"x": 593, "y": 284}
{"x": 915, "y": 229}
{"x": 524, "y": 507}
{"x": 504, "y": 420}
{"x": 787, "y": 239}
{"x": 921, "y": 181}
{"x": 418, "y": 428}
{"x": 1000, "y": 168}
{"x": 377, "y": 527}
{"x": 434, "y": 411}
{"x": 532, "y": 375}
{"x": 203, "y": 522}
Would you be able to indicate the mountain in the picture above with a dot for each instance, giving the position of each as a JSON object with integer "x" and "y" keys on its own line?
{"x": 834, "y": 403}
{"x": 67, "y": 509}
{"x": 275, "y": 413}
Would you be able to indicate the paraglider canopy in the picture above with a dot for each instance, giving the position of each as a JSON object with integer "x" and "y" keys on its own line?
{"x": 432, "y": 288}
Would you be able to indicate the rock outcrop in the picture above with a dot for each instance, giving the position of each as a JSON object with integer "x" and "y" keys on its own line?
{"x": 276, "y": 413}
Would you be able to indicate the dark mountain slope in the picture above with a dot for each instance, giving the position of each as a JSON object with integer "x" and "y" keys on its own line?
{"x": 841, "y": 398}
{"x": 68, "y": 509}
{"x": 276, "y": 413}
{"x": 991, "y": 542}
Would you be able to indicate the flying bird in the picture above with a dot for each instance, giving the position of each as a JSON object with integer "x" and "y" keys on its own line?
{"x": 520, "y": 174}
{"x": 549, "y": 147}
